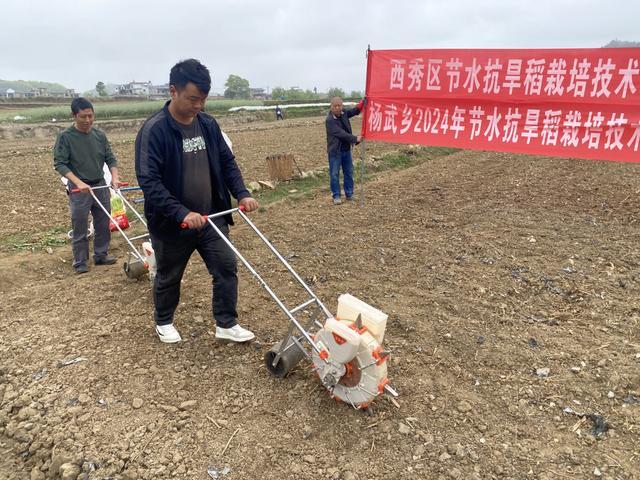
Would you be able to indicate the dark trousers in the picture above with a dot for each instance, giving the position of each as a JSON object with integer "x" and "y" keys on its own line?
{"x": 80, "y": 205}
{"x": 172, "y": 258}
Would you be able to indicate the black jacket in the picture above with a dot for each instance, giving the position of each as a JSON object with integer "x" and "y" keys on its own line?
{"x": 159, "y": 172}
{"x": 336, "y": 135}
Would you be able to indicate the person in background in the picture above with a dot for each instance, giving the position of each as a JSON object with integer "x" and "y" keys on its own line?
{"x": 186, "y": 170}
{"x": 79, "y": 155}
{"x": 279, "y": 113}
{"x": 339, "y": 141}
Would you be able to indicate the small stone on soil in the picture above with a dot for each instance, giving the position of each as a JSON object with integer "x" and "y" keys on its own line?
{"x": 543, "y": 372}
{"x": 188, "y": 405}
{"x": 404, "y": 429}
{"x": 464, "y": 406}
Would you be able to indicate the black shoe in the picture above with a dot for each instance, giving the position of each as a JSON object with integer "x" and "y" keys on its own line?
{"x": 82, "y": 268}
{"x": 105, "y": 261}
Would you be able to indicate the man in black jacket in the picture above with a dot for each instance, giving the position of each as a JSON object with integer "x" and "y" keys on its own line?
{"x": 186, "y": 170}
{"x": 339, "y": 141}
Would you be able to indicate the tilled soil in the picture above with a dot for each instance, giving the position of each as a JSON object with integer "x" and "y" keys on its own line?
{"x": 511, "y": 284}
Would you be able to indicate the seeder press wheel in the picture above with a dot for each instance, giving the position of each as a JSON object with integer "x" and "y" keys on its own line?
{"x": 134, "y": 269}
{"x": 290, "y": 357}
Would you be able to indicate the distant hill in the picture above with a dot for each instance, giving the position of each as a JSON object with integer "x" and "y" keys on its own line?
{"x": 621, "y": 44}
{"x": 28, "y": 85}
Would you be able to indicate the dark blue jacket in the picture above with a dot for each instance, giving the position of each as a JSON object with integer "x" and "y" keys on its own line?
{"x": 336, "y": 134}
{"x": 159, "y": 172}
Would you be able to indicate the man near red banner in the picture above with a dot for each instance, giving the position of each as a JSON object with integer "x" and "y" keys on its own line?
{"x": 339, "y": 141}
{"x": 186, "y": 170}
{"x": 79, "y": 154}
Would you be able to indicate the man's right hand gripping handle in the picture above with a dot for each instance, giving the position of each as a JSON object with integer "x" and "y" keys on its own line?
{"x": 193, "y": 220}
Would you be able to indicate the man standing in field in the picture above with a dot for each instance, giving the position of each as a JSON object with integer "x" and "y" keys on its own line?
{"x": 80, "y": 153}
{"x": 339, "y": 141}
{"x": 186, "y": 170}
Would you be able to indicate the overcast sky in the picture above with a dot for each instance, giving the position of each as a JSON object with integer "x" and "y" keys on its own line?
{"x": 280, "y": 43}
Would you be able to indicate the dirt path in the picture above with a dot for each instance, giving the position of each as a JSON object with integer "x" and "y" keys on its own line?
{"x": 490, "y": 266}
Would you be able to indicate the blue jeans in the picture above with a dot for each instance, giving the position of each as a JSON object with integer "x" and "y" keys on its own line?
{"x": 344, "y": 160}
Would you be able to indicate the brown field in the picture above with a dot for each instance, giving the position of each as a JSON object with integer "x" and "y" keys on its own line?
{"x": 490, "y": 266}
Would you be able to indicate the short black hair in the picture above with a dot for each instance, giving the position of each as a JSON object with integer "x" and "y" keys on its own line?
{"x": 193, "y": 71}
{"x": 80, "y": 103}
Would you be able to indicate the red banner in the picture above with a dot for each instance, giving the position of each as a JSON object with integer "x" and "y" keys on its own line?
{"x": 580, "y": 103}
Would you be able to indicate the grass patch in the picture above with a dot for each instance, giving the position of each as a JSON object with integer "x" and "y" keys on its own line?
{"x": 296, "y": 188}
{"x": 410, "y": 156}
{"x": 396, "y": 161}
{"x": 53, "y": 237}
{"x": 406, "y": 157}
{"x": 112, "y": 111}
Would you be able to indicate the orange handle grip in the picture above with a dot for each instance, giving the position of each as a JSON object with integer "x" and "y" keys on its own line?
{"x": 185, "y": 225}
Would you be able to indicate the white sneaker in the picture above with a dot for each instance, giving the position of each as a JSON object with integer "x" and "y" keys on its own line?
{"x": 168, "y": 333}
{"x": 235, "y": 334}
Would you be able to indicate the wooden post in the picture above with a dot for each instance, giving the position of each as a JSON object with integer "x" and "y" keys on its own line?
{"x": 280, "y": 167}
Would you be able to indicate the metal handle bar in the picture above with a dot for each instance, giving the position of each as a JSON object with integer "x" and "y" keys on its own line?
{"x": 134, "y": 250}
{"x": 241, "y": 209}
{"x": 77, "y": 190}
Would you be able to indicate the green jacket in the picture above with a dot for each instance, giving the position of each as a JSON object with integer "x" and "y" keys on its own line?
{"x": 84, "y": 154}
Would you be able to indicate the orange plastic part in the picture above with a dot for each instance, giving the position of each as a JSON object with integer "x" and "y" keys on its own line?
{"x": 361, "y": 331}
{"x": 377, "y": 355}
{"x": 348, "y": 369}
{"x": 381, "y": 385}
{"x": 339, "y": 340}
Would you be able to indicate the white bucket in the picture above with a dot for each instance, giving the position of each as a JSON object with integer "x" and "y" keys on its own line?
{"x": 150, "y": 258}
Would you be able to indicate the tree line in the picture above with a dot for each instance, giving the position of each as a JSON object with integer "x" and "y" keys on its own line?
{"x": 237, "y": 87}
